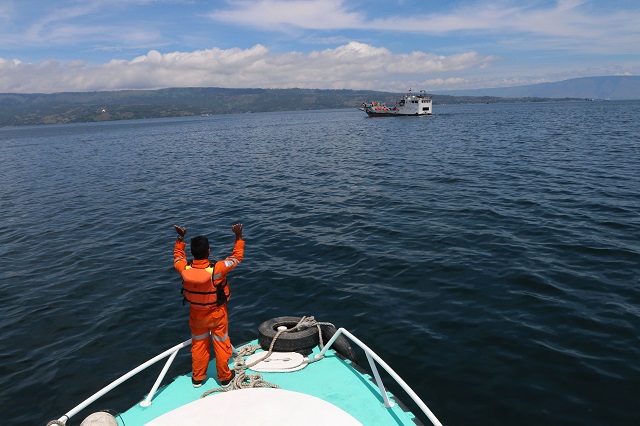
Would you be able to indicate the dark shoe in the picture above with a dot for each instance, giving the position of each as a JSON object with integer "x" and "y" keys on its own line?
{"x": 226, "y": 382}
{"x": 197, "y": 383}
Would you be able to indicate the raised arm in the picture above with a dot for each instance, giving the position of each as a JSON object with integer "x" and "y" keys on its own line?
{"x": 179, "y": 256}
{"x": 238, "y": 252}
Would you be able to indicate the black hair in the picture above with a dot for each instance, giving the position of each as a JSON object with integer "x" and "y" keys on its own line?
{"x": 200, "y": 247}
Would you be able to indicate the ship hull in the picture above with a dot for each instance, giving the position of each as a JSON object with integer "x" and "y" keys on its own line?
{"x": 393, "y": 114}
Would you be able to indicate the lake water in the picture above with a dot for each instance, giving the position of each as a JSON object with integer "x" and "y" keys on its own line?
{"x": 489, "y": 253}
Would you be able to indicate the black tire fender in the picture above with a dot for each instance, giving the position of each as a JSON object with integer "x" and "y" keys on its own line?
{"x": 295, "y": 341}
{"x": 341, "y": 345}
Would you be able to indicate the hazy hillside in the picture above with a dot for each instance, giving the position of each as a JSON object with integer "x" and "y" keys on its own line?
{"x": 79, "y": 107}
{"x": 76, "y": 107}
{"x": 614, "y": 88}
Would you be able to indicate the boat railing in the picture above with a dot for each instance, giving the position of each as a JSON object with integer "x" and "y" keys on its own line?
{"x": 371, "y": 356}
{"x": 170, "y": 353}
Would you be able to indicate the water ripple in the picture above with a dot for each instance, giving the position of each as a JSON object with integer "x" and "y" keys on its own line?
{"x": 489, "y": 253}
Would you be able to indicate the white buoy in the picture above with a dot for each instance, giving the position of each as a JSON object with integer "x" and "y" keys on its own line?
{"x": 100, "y": 418}
{"x": 282, "y": 328}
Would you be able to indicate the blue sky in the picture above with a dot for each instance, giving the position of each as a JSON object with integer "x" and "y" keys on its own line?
{"x": 390, "y": 45}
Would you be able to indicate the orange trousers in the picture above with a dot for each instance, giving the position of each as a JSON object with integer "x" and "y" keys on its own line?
{"x": 214, "y": 322}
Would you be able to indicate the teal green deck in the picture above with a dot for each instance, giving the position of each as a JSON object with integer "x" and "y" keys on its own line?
{"x": 331, "y": 379}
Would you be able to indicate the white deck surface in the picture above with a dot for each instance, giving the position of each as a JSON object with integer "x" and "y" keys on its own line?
{"x": 263, "y": 406}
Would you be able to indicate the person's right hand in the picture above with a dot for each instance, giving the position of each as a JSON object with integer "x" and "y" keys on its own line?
{"x": 237, "y": 229}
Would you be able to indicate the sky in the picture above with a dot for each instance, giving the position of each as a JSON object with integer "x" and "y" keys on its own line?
{"x": 388, "y": 45}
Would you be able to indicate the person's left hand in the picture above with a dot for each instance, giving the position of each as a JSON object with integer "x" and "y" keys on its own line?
{"x": 180, "y": 231}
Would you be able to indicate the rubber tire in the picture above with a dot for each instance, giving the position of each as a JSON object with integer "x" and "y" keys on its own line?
{"x": 341, "y": 345}
{"x": 296, "y": 341}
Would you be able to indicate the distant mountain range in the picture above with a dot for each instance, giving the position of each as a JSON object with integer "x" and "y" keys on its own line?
{"x": 614, "y": 88}
{"x": 21, "y": 109}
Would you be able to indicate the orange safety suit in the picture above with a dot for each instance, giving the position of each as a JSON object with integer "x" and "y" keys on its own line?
{"x": 205, "y": 316}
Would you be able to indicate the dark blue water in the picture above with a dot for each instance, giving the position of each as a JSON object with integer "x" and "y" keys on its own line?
{"x": 489, "y": 253}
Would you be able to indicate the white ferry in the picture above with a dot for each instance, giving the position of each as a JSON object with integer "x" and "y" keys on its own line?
{"x": 298, "y": 372}
{"x": 409, "y": 105}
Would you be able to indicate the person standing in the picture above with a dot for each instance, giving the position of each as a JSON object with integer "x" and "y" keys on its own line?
{"x": 206, "y": 289}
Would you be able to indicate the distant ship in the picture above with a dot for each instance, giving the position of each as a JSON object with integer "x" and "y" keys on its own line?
{"x": 409, "y": 105}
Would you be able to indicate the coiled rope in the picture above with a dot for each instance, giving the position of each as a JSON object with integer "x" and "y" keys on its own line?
{"x": 245, "y": 381}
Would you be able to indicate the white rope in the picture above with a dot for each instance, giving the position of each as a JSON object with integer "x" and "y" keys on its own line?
{"x": 245, "y": 381}
{"x": 242, "y": 380}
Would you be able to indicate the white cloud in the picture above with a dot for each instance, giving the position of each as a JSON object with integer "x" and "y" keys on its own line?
{"x": 6, "y": 11}
{"x": 351, "y": 66}
{"x": 563, "y": 24}
{"x": 52, "y": 27}
{"x": 470, "y": 43}
{"x": 88, "y": 24}
{"x": 280, "y": 14}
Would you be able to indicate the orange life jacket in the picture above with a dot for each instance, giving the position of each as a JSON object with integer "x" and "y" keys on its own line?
{"x": 202, "y": 289}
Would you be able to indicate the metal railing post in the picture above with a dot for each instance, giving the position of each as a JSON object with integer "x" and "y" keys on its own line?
{"x": 372, "y": 355}
{"x": 383, "y": 392}
{"x": 122, "y": 379}
{"x": 156, "y": 385}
